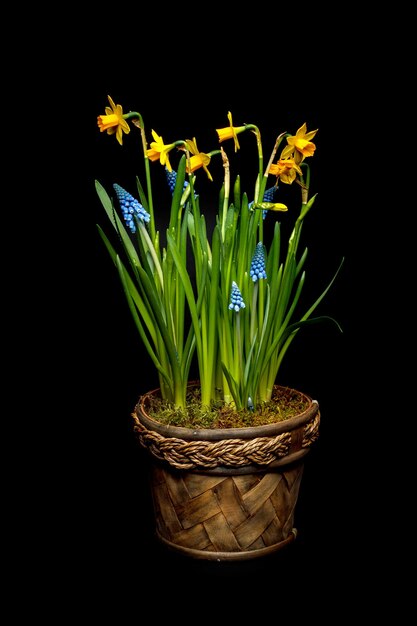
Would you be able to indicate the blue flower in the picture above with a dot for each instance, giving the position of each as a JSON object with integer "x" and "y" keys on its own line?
{"x": 257, "y": 268}
{"x": 131, "y": 208}
{"x": 269, "y": 194}
{"x": 172, "y": 179}
{"x": 236, "y": 300}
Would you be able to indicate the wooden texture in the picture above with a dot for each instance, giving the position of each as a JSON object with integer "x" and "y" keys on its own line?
{"x": 226, "y": 514}
{"x": 226, "y": 494}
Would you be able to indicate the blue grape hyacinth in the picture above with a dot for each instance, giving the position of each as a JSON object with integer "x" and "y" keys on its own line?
{"x": 236, "y": 300}
{"x": 130, "y": 208}
{"x": 269, "y": 194}
{"x": 172, "y": 179}
{"x": 257, "y": 268}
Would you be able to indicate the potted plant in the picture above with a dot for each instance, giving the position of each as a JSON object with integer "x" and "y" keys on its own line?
{"x": 217, "y": 310}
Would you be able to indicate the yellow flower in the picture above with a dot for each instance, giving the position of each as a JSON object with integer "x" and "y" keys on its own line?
{"x": 159, "y": 151}
{"x": 286, "y": 170}
{"x": 300, "y": 145}
{"x": 199, "y": 159}
{"x": 230, "y": 132}
{"x": 113, "y": 121}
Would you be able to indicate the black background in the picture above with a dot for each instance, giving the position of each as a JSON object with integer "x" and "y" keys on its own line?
{"x": 111, "y": 540}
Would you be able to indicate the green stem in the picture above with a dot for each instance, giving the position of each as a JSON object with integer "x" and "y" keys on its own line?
{"x": 226, "y": 166}
{"x": 152, "y": 253}
{"x": 141, "y": 125}
{"x": 239, "y": 355}
{"x": 271, "y": 160}
{"x": 253, "y": 311}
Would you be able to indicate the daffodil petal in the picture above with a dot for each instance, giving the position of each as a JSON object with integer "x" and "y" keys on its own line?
{"x": 310, "y": 135}
{"x": 125, "y": 126}
{"x": 192, "y": 145}
{"x": 287, "y": 151}
{"x": 113, "y": 106}
{"x": 208, "y": 173}
{"x": 119, "y": 135}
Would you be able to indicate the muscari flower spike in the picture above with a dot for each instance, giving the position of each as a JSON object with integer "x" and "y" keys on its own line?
{"x": 257, "y": 268}
{"x": 269, "y": 194}
{"x": 236, "y": 300}
{"x": 130, "y": 207}
{"x": 172, "y": 179}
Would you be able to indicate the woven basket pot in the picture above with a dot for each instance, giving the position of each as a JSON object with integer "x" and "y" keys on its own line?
{"x": 226, "y": 494}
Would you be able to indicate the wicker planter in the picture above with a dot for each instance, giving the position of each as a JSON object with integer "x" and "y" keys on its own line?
{"x": 226, "y": 494}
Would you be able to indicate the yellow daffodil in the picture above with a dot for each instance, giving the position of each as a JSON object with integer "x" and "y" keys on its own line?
{"x": 230, "y": 132}
{"x": 199, "y": 159}
{"x": 113, "y": 121}
{"x": 286, "y": 170}
{"x": 300, "y": 145}
{"x": 159, "y": 151}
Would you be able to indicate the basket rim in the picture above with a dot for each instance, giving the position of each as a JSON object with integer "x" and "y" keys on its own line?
{"x": 217, "y": 434}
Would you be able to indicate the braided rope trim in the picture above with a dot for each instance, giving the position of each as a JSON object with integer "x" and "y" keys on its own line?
{"x": 311, "y": 431}
{"x": 185, "y": 455}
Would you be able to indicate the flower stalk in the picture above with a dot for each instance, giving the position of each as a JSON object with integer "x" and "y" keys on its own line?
{"x": 226, "y": 302}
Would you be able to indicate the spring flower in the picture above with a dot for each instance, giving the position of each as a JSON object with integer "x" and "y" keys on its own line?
{"x": 257, "y": 268}
{"x": 130, "y": 208}
{"x": 236, "y": 300}
{"x": 113, "y": 121}
{"x": 285, "y": 170}
{"x": 159, "y": 151}
{"x": 269, "y": 194}
{"x": 300, "y": 145}
{"x": 199, "y": 159}
{"x": 230, "y": 132}
{"x": 172, "y": 179}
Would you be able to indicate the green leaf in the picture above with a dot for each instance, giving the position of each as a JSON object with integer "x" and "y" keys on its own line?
{"x": 307, "y": 207}
{"x": 117, "y": 223}
{"x": 131, "y": 300}
{"x": 178, "y": 192}
{"x": 182, "y": 271}
{"x": 313, "y": 320}
{"x": 233, "y": 386}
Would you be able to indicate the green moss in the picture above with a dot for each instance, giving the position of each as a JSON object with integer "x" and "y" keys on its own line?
{"x": 285, "y": 403}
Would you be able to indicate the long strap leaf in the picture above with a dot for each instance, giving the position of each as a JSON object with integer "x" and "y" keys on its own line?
{"x": 117, "y": 223}
{"x": 124, "y": 277}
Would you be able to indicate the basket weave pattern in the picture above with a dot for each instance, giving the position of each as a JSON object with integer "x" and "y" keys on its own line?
{"x": 225, "y": 514}
{"x": 226, "y": 494}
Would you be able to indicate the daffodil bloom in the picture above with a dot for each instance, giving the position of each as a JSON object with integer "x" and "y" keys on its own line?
{"x": 300, "y": 145}
{"x": 286, "y": 170}
{"x": 230, "y": 132}
{"x": 199, "y": 159}
{"x": 113, "y": 121}
{"x": 159, "y": 151}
